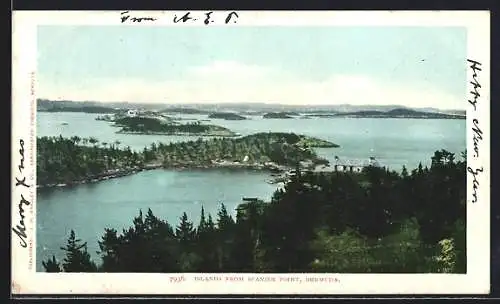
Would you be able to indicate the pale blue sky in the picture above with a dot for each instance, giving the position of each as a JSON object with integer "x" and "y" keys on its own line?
{"x": 169, "y": 63}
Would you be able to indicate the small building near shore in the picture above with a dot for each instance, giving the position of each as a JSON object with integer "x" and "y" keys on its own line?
{"x": 355, "y": 166}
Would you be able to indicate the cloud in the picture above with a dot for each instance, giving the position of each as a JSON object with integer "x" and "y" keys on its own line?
{"x": 230, "y": 70}
{"x": 228, "y": 81}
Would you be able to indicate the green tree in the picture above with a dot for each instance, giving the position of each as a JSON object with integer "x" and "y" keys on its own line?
{"x": 77, "y": 258}
{"x": 51, "y": 265}
{"x": 401, "y": 252}
{"x": 224, "y": 220}
{"x": 460, "y": 246}
{"x": 110, "y": 245}
{"x": 344, "y": 253}
{"x": 205, "y": 244}
{"x": 446, "y": 258}
{"x": 186, "y": 235}
{"x": 185, "y": 231}
{"x": 203, "y": 225}
{"x": 224, "y": 239}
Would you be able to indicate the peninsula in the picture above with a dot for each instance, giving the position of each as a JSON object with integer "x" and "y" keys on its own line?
{"x": 68, "y": 161}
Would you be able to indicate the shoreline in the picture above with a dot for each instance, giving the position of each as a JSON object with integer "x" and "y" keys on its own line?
{"x": 180, "y": 134}
{"x": 110, "y": 174}
{"x": 117, "y": 173}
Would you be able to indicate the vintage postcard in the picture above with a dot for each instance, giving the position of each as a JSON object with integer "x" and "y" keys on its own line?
{"x": 245, "y": 152}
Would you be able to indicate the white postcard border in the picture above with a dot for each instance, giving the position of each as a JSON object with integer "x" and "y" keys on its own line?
{"x": 26, "y": 281}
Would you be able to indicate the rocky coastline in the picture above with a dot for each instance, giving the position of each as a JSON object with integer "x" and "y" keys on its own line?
{"x": 116, "y": 173}
{"x": 110, "y": 174}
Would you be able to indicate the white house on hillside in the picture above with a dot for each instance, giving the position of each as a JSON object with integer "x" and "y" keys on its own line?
{"x": 131, "y": 113}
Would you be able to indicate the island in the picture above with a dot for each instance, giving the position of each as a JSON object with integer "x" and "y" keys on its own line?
{"x": 162, "y": 126}
{"x": 84, "y": 109}
{"x": 322, "y": 115}
{"x": 69, "y": 161}
{"x": 400, "y": 113}
{"x": 277, "y": 115}
{"x": 226, "y": 116}
{"x": 44, "y": 105}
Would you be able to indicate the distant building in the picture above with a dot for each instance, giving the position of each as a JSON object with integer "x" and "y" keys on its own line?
{"x": 250, "y": 199}
{"x": 353, "y": 165}
{"x": 131, "y": 113}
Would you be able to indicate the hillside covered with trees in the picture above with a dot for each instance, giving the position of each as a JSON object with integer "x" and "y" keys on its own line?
{"x": 147, "y": 125}
{"x": 75, "y": 160}
{"x": 66, "y": 160}
{"x": 408, "y": 222}
{"x": 44, "y": 105}
{"x": 226, "y": 116}
{"x": 278, "y": 115}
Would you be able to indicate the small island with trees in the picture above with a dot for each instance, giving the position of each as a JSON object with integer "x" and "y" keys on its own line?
{"x": 226, "y": 116}
{"x": 158, "y": 126}
{"x": 278, "y": 115}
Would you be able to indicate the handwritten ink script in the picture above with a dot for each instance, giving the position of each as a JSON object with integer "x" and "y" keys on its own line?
{"x": 126, "y": 17}
{"x": 206, "y": 18}
{"x": 475, "y": 182}
{"x": 477, "y": 133}
{"x": 475, "y": 67}
{"x": 20, "y": 228}
{"x": 476, "y": 136}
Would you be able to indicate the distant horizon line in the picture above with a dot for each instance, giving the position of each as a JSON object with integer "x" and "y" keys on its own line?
{"x": 249, "y": 103}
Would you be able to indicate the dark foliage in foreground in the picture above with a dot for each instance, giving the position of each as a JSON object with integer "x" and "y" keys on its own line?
{"x": 379, "y": 221}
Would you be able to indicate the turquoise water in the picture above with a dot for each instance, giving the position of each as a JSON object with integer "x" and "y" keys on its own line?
{"x": 90, "y": 208}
